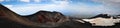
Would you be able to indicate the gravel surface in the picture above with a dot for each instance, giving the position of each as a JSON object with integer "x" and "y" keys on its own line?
{"x": 72, "y": 24}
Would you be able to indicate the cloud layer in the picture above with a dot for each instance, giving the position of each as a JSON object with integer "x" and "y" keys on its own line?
{"x": 25, "y": 0}
{"x": 25, "y": 9}
{"x": 21, "y": 0}
{"x": 1, "y": 0}
{"x": 80, "y": 9}
{"x": 110, "y": 3}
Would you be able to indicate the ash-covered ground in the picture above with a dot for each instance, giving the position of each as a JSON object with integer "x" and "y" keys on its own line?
{"x": 71, "y": 24}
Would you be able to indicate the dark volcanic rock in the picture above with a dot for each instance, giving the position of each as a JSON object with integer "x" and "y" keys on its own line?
{"x": 42, "y": 17}
{"x": 102, "y": 15}
{"x": 39, "y": 19}
{"x": 46, "y": 16}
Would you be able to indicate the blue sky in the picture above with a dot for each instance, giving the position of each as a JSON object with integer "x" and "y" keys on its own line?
{"x": 76, "y": 8}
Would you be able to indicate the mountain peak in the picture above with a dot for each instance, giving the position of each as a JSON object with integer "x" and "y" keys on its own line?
{"x": 102, "y": 15}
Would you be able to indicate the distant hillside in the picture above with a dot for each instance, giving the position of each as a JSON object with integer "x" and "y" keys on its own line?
{"x": 44, "y": 16}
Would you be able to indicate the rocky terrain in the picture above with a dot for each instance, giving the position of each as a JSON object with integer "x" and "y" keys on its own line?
{"x": 9, "y": 19}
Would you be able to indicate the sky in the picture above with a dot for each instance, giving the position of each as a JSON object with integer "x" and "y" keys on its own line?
{"x": 75, "y": 8}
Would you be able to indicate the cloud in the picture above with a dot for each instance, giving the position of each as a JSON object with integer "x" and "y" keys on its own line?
{"x": 33, "y": 8}
{"x": 62, "y": 2}
{"x": 85, "y": 10}
{"x": 1, "y": 0}
{"x": 76, "y": 10}
{"x": 109, "y": 3}
{"x": 25, "y": 0}
{"x": 8, "y": 6}
{"x": 27, "y": 8}
{"x": 37, "y": 0}
{"x": 105, "y": 1}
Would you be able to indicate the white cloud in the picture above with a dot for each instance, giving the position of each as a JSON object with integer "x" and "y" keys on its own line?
{"x": 109, "y": 3}
{"x": 26, "y": 9}
{"x": 37, "y": 0}
{"x": 33, "y": 8}
{"x": 8, "y": 0}
{"x": 63, "y": 6}
{"x": 1, "y": 0}
{"x": 107, "y": 0}
{"x": 84, "y": 10}
{"x": 8, "y": 6}
{"x": 62, "y": 3}
{"x": 25, "y": 0}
